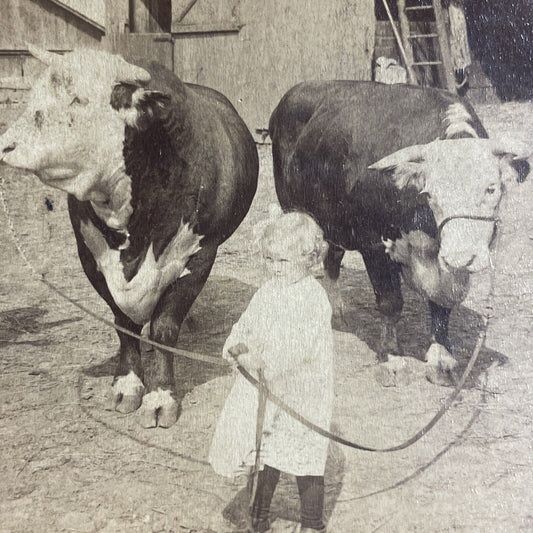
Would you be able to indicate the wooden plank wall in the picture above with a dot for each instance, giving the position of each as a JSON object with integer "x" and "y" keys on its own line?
{"x": 150, "y": 22}
{"x": 151, "y": 16}
{"x": 44, "y": 24}
{"x": 281, "y": 43}
{"x": 142, "y": 46}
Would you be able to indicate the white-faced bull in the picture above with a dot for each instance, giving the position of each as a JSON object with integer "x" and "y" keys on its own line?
{"x": 159, "y": 173}
{"x": 406, "y": 176}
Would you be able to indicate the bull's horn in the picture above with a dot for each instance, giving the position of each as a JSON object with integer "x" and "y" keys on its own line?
{"x": 413, "y": 153}
{"x": 132, "y": 73}
{"x": 504, "y": 145}
{"x": 48, "y": 58}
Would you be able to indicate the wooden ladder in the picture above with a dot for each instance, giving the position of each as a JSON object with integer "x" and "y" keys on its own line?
{"x": 441, "y": 35}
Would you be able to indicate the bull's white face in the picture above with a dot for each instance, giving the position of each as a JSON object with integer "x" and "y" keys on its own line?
{"x": 472, "y": 188}
{"x": 69, "y": 135}
{"x": 462, "y": 177}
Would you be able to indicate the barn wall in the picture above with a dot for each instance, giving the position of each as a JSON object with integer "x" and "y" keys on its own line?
{"x": 42, "y": 23}
{"x": 281, "y": 43}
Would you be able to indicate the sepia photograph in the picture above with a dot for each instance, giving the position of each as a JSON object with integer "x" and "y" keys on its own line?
{"x": 266, "y": 266}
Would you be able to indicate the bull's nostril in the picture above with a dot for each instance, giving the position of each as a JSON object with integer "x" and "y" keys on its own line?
{"x": 469, "y": 263}
{"x": 9, "y": 148}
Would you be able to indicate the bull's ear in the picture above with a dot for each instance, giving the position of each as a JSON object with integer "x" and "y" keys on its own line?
{"x": 503, "y": 146}
{"x": 405, "y": 166}
{"x": 522, "y": 168}
{"x": 516, "y": 153}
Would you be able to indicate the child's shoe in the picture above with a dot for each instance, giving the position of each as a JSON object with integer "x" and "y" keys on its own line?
{"x": 261, "y": 526}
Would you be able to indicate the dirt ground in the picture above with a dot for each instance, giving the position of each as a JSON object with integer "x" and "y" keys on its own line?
{"x": 67, "y": 464}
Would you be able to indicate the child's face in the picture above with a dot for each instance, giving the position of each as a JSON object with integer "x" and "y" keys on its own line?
{"x": 286, "y": 267}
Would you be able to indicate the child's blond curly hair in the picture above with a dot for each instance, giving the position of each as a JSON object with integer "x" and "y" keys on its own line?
{"x": 295, "y": 233}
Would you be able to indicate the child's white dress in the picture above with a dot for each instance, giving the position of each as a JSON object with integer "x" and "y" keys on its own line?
{"x": 290, "y": 327}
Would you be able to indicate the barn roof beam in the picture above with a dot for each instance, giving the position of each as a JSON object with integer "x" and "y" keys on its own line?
{"x": 78, "y": 14}
{"x": 208, "y": 27}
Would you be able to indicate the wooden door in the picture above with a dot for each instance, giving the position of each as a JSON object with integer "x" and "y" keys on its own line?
{"x": 140, "y": 29}
{"x": 254, "y": 50}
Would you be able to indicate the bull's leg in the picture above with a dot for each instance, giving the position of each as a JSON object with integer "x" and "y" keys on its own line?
{"x": 439, "y": 353}
{"x": 127, "y": 389}
{"x": 384, "y": 275}
{"x": 440, "y": 318}
{"x": 160, "y": 406}
{"x": 332, "y": 265}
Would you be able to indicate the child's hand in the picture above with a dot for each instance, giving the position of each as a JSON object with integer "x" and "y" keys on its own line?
{"x": 238, "y": 349}
{"x": 251, "y": 361}
{"x": 233, "y": 352}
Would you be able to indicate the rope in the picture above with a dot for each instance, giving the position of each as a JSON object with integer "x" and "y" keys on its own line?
{"x": 417, "y": 436}
{"x": 11, "y": 227}
{"x": 496, "y": 220}
{"x": 217, "y": 361}
{"x": 175, "y": 351}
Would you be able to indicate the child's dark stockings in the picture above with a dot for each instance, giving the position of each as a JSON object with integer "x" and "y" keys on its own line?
{"x": 310, "y": 488}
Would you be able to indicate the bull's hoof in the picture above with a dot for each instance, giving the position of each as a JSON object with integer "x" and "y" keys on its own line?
{"x": 382, "y": 357}
{"x": 439, "y": 357}
{"x": 399, "y": 371}
{"x": 444, "y": 378}
{"x": 126, "y": 394}
{"x": 388, "y": 348}
{"x": 441, "y": 366}
{"x": 159, "y": 409}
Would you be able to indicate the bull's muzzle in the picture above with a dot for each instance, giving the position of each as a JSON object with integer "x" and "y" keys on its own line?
{"x": 466, "y": 243}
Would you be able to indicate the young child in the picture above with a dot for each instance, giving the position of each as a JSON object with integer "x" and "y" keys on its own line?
{"x": 286, "y": 331}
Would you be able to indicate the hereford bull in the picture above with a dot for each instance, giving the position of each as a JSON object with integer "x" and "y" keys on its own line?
{"x": 402, "y": 174}
{"x": 159, "y": 173}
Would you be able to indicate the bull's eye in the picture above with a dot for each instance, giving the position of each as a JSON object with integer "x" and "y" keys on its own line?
{"x": 490, "y": 190}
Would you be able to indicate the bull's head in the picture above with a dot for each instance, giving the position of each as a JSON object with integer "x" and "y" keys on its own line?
{"x": 71, "y": 135}
{"x": 462, "y": 178}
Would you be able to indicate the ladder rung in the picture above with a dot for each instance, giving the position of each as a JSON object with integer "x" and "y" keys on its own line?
{"x": 426, "y": 63}
{"x": 423, "y": 35}
{"x": 417, "y": 8}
